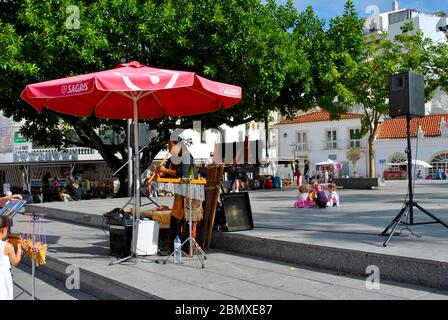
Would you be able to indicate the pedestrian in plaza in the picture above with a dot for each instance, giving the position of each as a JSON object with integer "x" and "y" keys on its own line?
{"x": 55, "y": 183}
{"x": 319, "y": 175}
{"x": 8, "y": 256}
{"x": 326, "y": 176}
{"x": 297, "y": 172}
{"x": 306, "y": 171}
{"x": 46, "y": 181}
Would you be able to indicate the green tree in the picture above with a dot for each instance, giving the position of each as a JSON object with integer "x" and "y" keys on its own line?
{"x": 363, "y": 65}
{"x": 243, "y": 42}
{"x": 438, "y": 66}
{"x": 354, "y": 155}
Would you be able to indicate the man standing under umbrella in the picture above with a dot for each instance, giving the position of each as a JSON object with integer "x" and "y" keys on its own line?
{"x": 179, "y": 165}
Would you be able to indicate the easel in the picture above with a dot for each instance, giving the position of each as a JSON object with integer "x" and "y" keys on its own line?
{"x": 197, "y": 250}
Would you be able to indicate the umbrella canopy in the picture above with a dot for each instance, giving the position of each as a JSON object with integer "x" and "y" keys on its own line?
{"x": 327, "y": 162}
{"x": 133, "y": 91}
{"x": 414, "y": 163}
{"x": 112, "y": 94}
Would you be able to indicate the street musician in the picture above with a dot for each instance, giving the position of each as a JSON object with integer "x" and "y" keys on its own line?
{"x": 179, "y": 165}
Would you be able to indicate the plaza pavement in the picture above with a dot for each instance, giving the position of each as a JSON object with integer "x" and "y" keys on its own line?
{"x": 345, "y": 240}
{"x": 226, "y": 276}
{"x": 46, "y": 287}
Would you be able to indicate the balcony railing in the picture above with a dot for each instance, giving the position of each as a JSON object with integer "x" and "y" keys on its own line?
{"x": 52, "y": 154}
{"x": 354, "y": 143}
{"x": 303, "y": 146}
{"x": 332, "y": 145}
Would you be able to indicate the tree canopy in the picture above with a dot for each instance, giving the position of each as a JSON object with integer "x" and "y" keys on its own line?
{"x": 284, "y": 60}
{"x": 246, "y": 43}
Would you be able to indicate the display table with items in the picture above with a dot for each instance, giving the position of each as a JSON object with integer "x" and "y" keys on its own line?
{"x": 193, "y": 190}
{"x": 154, "y": 225}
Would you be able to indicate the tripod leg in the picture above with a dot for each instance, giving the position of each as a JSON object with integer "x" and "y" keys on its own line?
{"x": 384, "y": 233}
{"x": 400, "y": 217}
{"x": 431, "y": 215}
{"x": 121, "y": 260}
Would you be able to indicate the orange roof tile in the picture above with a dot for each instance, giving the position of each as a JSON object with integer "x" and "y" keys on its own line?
{"x": 319, "y": 116}
{"x": 396, "y": 128}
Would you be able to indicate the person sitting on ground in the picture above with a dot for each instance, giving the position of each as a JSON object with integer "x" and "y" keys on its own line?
{"x": 74, "y": 189}
{"x": 321, "y": 198}
{"x": 304, "y": 201}
{"x": 312, "y": 191}
{"x": 333, "y": 196}
{"x": 355, "y": 175}
{"x": 64, "y": 195}
{"x": 240, "y": 182}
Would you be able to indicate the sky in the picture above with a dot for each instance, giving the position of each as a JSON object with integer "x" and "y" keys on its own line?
{"x": 329, "y": 8}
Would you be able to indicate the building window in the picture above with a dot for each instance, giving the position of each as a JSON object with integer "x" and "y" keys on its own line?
{"x": 331, "y": 142}
{"x": 354, "y": 141}
{"x": 439, "y": 164}
{"x": 302, "y": 141}
{"x": 397, "y": 158}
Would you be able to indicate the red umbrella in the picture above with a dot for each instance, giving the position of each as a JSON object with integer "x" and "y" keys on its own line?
{"x": 113, "y": 94}
{"x": 133, "y": 91}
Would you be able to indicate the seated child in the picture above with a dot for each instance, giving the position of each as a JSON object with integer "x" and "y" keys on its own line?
{"x": 312, "y": 192}
{"x": 304, "y": 200}
{"x": 333, "y": 196}
{"x": 321, "y": 198}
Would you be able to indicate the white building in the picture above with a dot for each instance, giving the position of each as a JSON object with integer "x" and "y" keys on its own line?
{"x": 314, "y": 137}
{"x": 20, "y": 161}
{"x": 432, "y": 144}
{"x": 432, "y": 26}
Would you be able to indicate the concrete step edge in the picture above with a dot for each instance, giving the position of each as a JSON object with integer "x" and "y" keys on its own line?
{"x": 421, "y": 272}
{"x": 93, "y": 283}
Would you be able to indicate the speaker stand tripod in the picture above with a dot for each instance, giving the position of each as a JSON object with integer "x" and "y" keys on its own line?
{"x": 408, "y": 210}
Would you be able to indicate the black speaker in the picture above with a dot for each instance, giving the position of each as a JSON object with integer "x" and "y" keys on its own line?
{"x": 235, "y": 212}
{"x": 407, "y": 95}
{"x": 120, "y": 237}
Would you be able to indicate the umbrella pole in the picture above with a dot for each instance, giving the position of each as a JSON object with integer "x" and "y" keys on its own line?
{"x": 136, "y": 218}
{"x": 136, "y": 180}
{"x": 128, "y": 127}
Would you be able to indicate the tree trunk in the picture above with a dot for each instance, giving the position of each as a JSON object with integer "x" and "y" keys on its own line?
{"x": 123, "y": 177}
{"x": 266, "y": 133}
{"x": 372, "y": 173}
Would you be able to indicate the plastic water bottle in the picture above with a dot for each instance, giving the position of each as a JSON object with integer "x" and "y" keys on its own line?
{"x": 177, "y": 250}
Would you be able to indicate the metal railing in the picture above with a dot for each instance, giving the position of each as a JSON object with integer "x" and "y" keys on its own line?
{"x": 332, "y": 145}
{"x": 303, "y": 146}
{"x": 354, "y": 143}
{"x": 52, "y": 154}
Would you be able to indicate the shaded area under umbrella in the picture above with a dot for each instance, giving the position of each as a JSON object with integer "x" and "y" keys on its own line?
{"x": 133, "y": 91}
